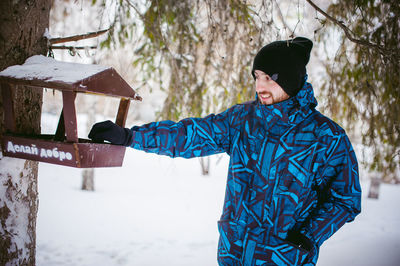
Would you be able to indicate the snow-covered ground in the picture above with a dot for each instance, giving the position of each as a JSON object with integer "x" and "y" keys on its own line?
{"x": 151, "y": 211}
{"x": 160, "y": 211}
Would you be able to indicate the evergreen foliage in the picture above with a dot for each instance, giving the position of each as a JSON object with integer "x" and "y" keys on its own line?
{"x": 363, "y": 89}
{"x": 199, "y": 52}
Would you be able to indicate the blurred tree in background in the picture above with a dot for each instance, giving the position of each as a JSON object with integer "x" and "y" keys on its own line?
{"x": 363, "y": 88}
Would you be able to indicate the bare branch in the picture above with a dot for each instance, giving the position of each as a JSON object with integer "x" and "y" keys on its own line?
{"x": 349, "y": 33}
{"x": 77, "y": 37}
{"x": 283, "y": 20}
{"x": 72, "y": 47}
{"x": 136, "y": 10}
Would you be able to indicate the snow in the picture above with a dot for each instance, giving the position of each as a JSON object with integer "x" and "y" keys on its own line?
{"x": 152, "y": 211}
{"x": 46, "y": 34}
{"x": 48, "y": 69}
{"x": 160, "y": 211}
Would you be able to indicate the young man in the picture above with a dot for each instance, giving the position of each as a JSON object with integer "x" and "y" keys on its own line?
{"x": 292, "y": 177}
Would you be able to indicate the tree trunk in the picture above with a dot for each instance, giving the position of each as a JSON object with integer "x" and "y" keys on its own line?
{"x": 374, "y": 188}
{"x": 88, "y": 179}
{"x": 22, "y": 26}
{"x": 88, "y": 174}
{"x": 205, "y": 165}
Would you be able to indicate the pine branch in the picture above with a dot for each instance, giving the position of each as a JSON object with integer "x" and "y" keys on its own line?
{"x": 349, "y": 33}
{"x": 77, "y": 37}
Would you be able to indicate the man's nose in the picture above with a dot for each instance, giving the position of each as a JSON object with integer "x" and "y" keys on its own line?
{"x": 260, "y": 85}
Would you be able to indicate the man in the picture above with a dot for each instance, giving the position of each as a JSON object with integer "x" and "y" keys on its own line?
{"x": 293, "y": 176}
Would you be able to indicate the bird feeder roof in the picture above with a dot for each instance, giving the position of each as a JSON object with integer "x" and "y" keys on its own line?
{"x": 41, "y": 71}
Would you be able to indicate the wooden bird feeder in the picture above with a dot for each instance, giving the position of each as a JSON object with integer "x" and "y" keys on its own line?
{"x": 64, "y": 147}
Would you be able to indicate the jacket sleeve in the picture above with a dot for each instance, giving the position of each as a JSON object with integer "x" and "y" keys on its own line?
{"x": 190, "y": 137}
{"x": 338, "y": 189}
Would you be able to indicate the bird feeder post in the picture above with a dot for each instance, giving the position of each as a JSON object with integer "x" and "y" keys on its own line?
{"x": 69, "y": 113}
{"x": 122, "y": 112}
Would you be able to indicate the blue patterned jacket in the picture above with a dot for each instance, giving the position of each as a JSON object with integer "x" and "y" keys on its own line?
{"x": 291, "y": 168}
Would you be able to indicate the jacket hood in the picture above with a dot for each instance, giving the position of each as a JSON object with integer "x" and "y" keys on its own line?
{"x": 305, "y": 96}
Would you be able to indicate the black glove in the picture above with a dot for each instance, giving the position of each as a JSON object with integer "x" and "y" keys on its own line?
{"x": 299, "y": 240}
{"x": 111, "y": 132}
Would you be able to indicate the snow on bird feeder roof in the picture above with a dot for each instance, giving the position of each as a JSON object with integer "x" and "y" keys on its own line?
{"x": 64, "y": 147}
{"x": 41, "y": 71}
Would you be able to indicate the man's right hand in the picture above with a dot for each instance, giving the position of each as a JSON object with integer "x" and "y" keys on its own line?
{"x": 111, "y": 132}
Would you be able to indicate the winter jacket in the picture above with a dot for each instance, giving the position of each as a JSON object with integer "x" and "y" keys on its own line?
{"x": 291, "y": 169}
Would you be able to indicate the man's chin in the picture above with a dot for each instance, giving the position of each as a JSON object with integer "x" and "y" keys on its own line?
{"x": 266, "y": 102}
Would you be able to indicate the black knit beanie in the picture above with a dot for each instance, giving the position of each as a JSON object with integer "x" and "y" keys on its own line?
{"x": 285, "y": 62}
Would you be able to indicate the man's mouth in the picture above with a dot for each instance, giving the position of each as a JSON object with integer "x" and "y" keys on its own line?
{"x": 264, "y": 96}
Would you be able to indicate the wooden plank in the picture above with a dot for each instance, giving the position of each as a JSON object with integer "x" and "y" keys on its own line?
{"x": 39, "y": 150}
{"x": 69, "y": 113}
{"x": 100, "y": 155}
{"x": 7, "y": 92}
{"x": 59, "y": 85}
{"x": 80, "y": 155}
{"x": 122, "y": 112}
{"x": 109, "y": 83}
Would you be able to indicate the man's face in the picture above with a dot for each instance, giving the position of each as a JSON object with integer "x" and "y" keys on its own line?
{"x": 268, "y": 91}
